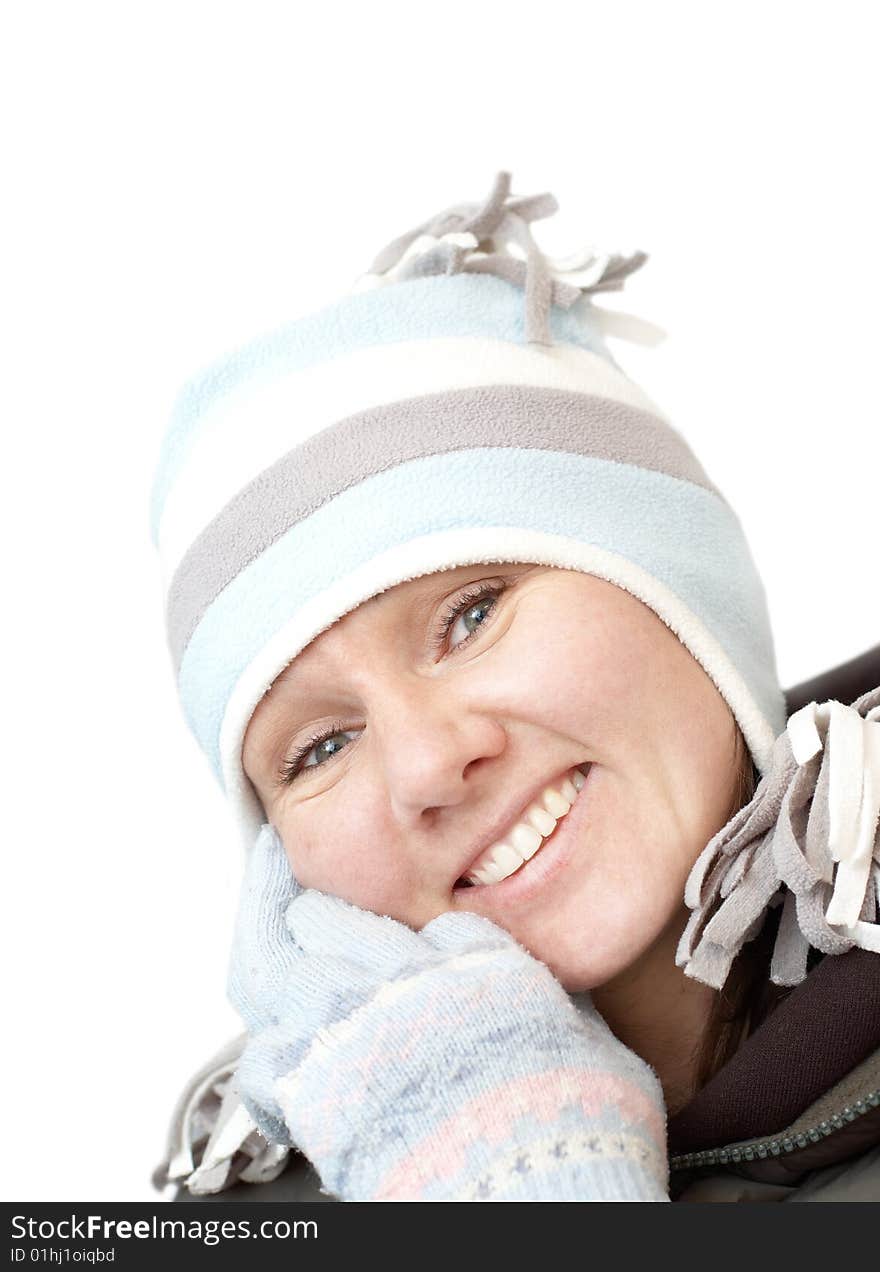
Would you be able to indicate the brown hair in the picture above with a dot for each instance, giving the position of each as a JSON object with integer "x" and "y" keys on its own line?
{"x": 748, "y": 994}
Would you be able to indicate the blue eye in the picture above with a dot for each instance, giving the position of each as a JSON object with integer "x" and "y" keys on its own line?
{"x": 325, "y": 744}
{"x": 471, "y": 621}
{"x": 328, "y": 745}
{"x": 474, "y": 607}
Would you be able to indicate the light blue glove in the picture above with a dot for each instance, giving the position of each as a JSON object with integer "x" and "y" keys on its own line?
{"x": 436, "y": 1065}
{"x": 262, "y": 955}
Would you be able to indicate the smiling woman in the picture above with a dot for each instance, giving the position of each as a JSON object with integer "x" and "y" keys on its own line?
{"x": 481, "y": 658}
{"x": 439, "y": 752}
{"x": 442, "y": 752}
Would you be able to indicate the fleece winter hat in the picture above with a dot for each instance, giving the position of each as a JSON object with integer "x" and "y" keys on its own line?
{"x": 459, "y": 405}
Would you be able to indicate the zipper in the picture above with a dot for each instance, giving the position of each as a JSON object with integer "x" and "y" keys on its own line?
{"x": 779, "y": 1146}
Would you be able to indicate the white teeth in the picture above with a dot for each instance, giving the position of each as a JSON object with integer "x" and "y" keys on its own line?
{"x": 541, "y": 820}
{"x": 526, "y": 837}
{"x": 557, "y": 806}
{"x": 486, "y": 874}
{"x": 568, "y": 790}
{"x": 505, "y": 858}
{"x": 526, "y": 840}
{"x": 490, "y": 871}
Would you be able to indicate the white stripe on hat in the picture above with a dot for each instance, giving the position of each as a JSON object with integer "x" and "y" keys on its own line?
{"x": 245, "y": 432}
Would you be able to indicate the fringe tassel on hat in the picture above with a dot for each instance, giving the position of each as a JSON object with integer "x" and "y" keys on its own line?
{"x": 211, "y": 1120}
{"x": 494, "y": 238}
{"x": 809, "y": 841}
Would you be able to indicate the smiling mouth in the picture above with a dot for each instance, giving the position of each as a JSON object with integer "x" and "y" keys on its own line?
{"x": 528, "y": 835}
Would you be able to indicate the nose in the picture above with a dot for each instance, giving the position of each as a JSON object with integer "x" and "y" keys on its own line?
{"x": 431, "y": 744}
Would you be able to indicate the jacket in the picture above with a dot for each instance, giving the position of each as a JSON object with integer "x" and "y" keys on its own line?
{"x": 794, "y": 1115}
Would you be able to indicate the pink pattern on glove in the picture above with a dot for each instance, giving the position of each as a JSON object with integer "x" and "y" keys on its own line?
{"x": 492, "y": 1116}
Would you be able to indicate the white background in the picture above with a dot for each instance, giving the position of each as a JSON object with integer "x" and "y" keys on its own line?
{"x": 180, "y": 177}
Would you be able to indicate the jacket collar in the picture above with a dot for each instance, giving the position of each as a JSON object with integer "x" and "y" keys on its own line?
{"x": 827, "y": 1025}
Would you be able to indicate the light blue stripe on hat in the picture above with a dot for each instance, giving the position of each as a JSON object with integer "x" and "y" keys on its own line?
{"x": 676, "y": 531}
{"x": 417, "y": 309}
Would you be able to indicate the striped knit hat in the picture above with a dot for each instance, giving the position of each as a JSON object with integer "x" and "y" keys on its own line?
{"x": 458, "y": 406}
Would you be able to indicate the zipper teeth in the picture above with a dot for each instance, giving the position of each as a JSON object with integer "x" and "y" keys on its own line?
{"x": 778, "y": 1147}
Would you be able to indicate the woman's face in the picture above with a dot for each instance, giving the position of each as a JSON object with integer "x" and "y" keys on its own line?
{"x": 448, "y": 705}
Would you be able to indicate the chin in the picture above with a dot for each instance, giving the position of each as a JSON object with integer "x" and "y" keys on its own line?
{"x": 607, "y": 960}
{"x": 581, "y": 965}
{"x": 577, "y": 974}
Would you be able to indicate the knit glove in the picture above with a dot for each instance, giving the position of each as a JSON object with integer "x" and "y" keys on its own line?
{"x": 262, "y": 954}
{"x": 446, "y": 1064}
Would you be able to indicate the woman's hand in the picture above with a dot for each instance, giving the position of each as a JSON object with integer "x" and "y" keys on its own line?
{"x": 442, "y": 1064}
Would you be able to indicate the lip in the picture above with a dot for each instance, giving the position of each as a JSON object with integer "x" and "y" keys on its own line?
{"x": 550, "y": 859}
{"x": 509, "y": 819}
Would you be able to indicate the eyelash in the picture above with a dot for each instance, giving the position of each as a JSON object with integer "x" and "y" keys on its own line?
{"x": 290, "y": 769}
{"x": 466, "y": 600}
{"x": 463, "y": 602}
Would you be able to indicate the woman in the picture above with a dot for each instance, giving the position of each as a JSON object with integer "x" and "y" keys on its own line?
{"x": 482, "y": 660}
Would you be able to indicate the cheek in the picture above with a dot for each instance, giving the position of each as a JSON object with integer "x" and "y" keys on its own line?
{"x": 575, "y": 677}
{"x": 615, "y": 907}
{"x": 624, "y": 888}
{"x": 347, "y": 854}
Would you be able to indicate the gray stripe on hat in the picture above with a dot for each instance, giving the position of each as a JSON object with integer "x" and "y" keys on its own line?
{"x": 373, "y": 441}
